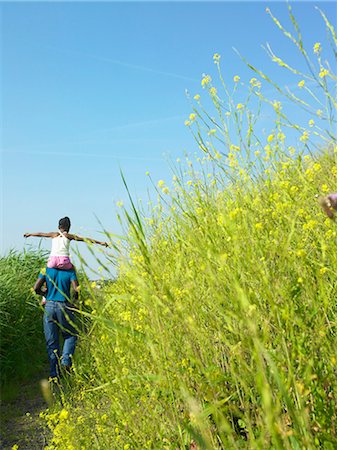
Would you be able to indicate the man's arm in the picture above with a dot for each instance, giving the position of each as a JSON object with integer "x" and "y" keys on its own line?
{"x": 38, "y": 285}
{"x": 74, "y": 237}
{"x": 49, "y": 235}
{"x": 75, "y": 286}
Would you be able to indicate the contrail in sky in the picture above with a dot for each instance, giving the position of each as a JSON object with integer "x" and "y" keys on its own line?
{"x": 80, "y": 154}
{"x": 102, "y": 130}
{"x": 121, "y": 63}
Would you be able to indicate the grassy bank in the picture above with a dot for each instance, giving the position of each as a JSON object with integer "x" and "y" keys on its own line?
{"x": 22, "y": 343}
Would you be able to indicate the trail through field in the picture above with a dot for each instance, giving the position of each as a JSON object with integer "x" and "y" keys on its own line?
{"x": 21, "y": 425}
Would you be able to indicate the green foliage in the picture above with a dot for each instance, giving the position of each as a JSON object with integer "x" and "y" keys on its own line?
{"x": 22, "y": 343}
{"x": 220, "y": 331}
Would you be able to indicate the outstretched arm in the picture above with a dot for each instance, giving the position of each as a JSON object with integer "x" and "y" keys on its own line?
{"x": 74, "y": 237}
{"x": 48, "y": 235}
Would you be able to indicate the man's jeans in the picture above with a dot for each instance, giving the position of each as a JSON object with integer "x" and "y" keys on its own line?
{"x": 59, "y": 318}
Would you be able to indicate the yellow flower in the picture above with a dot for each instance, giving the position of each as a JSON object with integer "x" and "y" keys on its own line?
{"x": 120, "y": 203}
{"x": 239, "y": 106}
{"x": 166, "y": 190}
{"x": 323, "y": 270}
{"x": 259, "y": 226}
{"x": 325, "y": 188}
{"x": 216, "y": 58}
{"x": 270, "y": 138}
{"x": 93, "y": 284}
{"x": 236, "y": 79}
{"x": 161, "y": 183}
{"x": 197, "y": 97}
{"x": 15, "y": 447}
{"x": 277, "y": 106}
{"x": 213, "y": 91}
{"x": 255, "y": 83}
{"x": 323, "y": 72}
{"x": 257, "y": 153}
{"x": 319, "y": 112}
{"x": 301, "y": 84}
{"x": 317, "y": 48}
{"x": 235, "y": 148}
{"x": 192, "y": 117}
{"x": 212, "y": 131}
{"x": 206, "y": 80}
{"x": 311, "y": 123}
{"x": 63, "y": 414}
{"x": 305, "y": 136}
{"x": 187, "y": 123}
{"x": 300, "y": 280}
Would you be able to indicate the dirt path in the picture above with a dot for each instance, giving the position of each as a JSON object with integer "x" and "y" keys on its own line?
{"x": 20, "y": 421}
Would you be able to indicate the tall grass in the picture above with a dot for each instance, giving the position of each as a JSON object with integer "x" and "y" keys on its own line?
{"x": 22, "y": 344}
{"x": 220, "y": 332}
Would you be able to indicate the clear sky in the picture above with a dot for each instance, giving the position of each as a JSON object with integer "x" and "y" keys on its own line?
{"x": 89, "y": 89}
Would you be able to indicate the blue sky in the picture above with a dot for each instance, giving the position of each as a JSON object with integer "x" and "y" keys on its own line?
{"x": 89, "y": 89}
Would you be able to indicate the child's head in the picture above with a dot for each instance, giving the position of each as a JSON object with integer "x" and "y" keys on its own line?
{"x": 64, "y": 224}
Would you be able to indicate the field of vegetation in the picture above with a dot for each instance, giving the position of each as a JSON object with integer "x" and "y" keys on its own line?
{"x": 220, "y": 330}
{"x": 22, "y": 342}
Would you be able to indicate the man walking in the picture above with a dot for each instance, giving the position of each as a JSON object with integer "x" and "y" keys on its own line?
{"x": 58, "y": 316}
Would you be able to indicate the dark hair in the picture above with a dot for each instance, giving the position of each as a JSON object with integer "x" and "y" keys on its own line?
{"x": 64, "y": 223}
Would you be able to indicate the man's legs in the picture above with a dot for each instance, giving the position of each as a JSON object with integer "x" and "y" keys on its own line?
{"x": 65, "y": 319}
{"x": 51, "y": 332}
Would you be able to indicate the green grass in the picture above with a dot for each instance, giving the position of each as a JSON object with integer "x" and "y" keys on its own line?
{"x": 22, "y": 343}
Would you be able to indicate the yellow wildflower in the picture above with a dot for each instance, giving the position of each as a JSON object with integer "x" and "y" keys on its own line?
{"x": 323, "y": 270}
{"x": 255, "y": 83}
{"x": 236, "y": 79}
{"x": 319, "y": 112}
{"x": 206, "y": 80}
{"x": 311, "y": 123}
{"x": 317, "y": 48}
{"x": 305, "y": 136}
{"x": 277, "y": 106}
{"x": 187, "y": 123}
{"x": 323, "y": 72}
{"x": 197, "y": 97}
{"x": 239, "y": 106}
{"x": 216, "y": 58}
{"x": 213, "y": 91}
{"x": 301, "y": 84}
{"x": 63, "y": 414}
{"x": 161, "y": 183}
{"x": 270, "y": 138}
{"x": 212, "y": 131}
